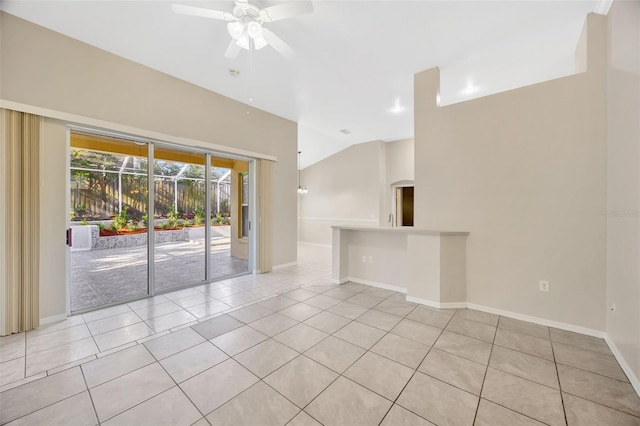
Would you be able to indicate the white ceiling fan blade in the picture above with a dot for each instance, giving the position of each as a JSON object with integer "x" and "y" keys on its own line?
{"x": 232, "y": 50}
{"x": 286, "y": 10}
{"x": 280, "y": 46}
{"x": 202, "y": 12}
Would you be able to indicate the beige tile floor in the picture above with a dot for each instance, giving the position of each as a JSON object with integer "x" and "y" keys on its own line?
{"x": 104, "y": 277}
{"x": 288, "y": 348}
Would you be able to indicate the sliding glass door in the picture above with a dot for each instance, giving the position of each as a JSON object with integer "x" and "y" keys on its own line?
{"x": 148, "y": 218}
{"x": 229, "y": 228}
{"x": 179, "y": 218}
{"x": 108, "y": 204}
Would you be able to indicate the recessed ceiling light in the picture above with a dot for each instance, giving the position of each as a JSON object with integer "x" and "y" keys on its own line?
{"x": 470, "y": 88}
{"x": 397, "y": 108}
{"x": 345, "y": 131}
{"x": 234, "y": 72}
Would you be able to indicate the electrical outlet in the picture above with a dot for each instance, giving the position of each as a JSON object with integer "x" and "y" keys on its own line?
{"x": 370, "y": 259}
{"x": 364, "y": 259}
{"x": 613, "y": 308}
{"x": 544, "y": 286}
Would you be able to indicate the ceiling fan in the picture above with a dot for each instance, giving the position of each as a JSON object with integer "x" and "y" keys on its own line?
{"x": 245, "y": 24}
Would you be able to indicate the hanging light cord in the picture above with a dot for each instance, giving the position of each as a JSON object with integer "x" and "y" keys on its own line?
{"x": 301, "y": 189}
{"x": 299, "y": 152}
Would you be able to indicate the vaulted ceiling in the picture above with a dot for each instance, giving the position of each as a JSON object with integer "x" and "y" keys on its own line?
{"x": 354, "y": 62}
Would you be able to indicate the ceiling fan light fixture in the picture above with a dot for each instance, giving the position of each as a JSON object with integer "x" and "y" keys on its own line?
{"x": 260, "y": 42}
{"x": 254, "y": 29}
{"x": 235, "y": 29}
{"x": 243, "y": 41}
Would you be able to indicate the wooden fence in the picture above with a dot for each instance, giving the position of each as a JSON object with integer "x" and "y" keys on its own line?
{"x": 91, "y": 200}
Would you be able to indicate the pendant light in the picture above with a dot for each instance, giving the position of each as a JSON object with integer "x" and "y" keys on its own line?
{"x": 301, "y": 189}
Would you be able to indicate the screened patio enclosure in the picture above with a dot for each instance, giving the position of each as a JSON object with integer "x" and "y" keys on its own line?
{"x": 124, "y": 249}
{"x": 103, "y": 183}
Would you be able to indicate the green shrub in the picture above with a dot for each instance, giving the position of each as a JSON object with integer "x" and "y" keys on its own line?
{"x": 198, "y": 216}
{"x": 84, "y": 222}
{"x": 121, "y": 220}
{"x": 101, "y": 225}
{"x": 173, "y": 218}
{"x": 145, "y": 219}
{"x": 164, "y": 225}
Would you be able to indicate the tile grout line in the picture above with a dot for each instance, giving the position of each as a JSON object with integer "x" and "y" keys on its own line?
{"x": 178, "y": 384}
{"x": 93, "y": 405}
{"x": 156, "y": 361}
{"x": 503, "y": 406}
{"x": 367, "y": 351}
{"x": 415, "y": 371}
{"x": 302, "y": 354}
{"x": 56, "y": 402}
{"x": 486, "y": 370}
{"x": 555, "y": 363}
{"x": 541, "y": 384}
{"x": 268, "y": 338}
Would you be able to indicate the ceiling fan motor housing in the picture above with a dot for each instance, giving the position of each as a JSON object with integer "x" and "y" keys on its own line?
{"x": 245, "y": 12}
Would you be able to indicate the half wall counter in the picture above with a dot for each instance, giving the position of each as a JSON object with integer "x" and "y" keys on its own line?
{"x": 429, "y": 266}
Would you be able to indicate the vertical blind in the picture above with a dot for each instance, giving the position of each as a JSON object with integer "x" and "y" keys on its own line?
{"x": 21, "y": 140}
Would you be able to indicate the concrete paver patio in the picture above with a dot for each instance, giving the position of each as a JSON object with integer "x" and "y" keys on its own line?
{"x": 102, "y": 277}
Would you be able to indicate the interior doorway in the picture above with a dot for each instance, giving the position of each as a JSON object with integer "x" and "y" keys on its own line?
{"x": 403, "y": 205}
{"x": 148, "y": 218}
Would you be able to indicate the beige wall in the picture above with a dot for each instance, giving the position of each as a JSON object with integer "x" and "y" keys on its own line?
{"x": 388, "y": 255}
{"x": 623, "y": 178}
{"x": 44, "y": 69}
{"x": 399, "y": 161}
{"x": 524, "y": 172}
{"x": 344, "y": 189}
{"x": 352, "y": 187}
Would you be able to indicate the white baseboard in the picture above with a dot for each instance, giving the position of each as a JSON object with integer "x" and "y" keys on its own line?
{"x": 337, "y": 219}
{"x": 633, "y": 379}
{"x": 52, "y": 319}
{"x": 431, "y": 303}
{"x": 307, "y": 243}
{"x": 462, "y": 305}
{"x": 377, "y": 284}
{"x": 540, "y": 321}
{"x": 509, "y": 314}
{"x": 283, "y": 265}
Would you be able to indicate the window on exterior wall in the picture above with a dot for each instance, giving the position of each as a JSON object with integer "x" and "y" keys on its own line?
{"x": 244, "y": 205}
